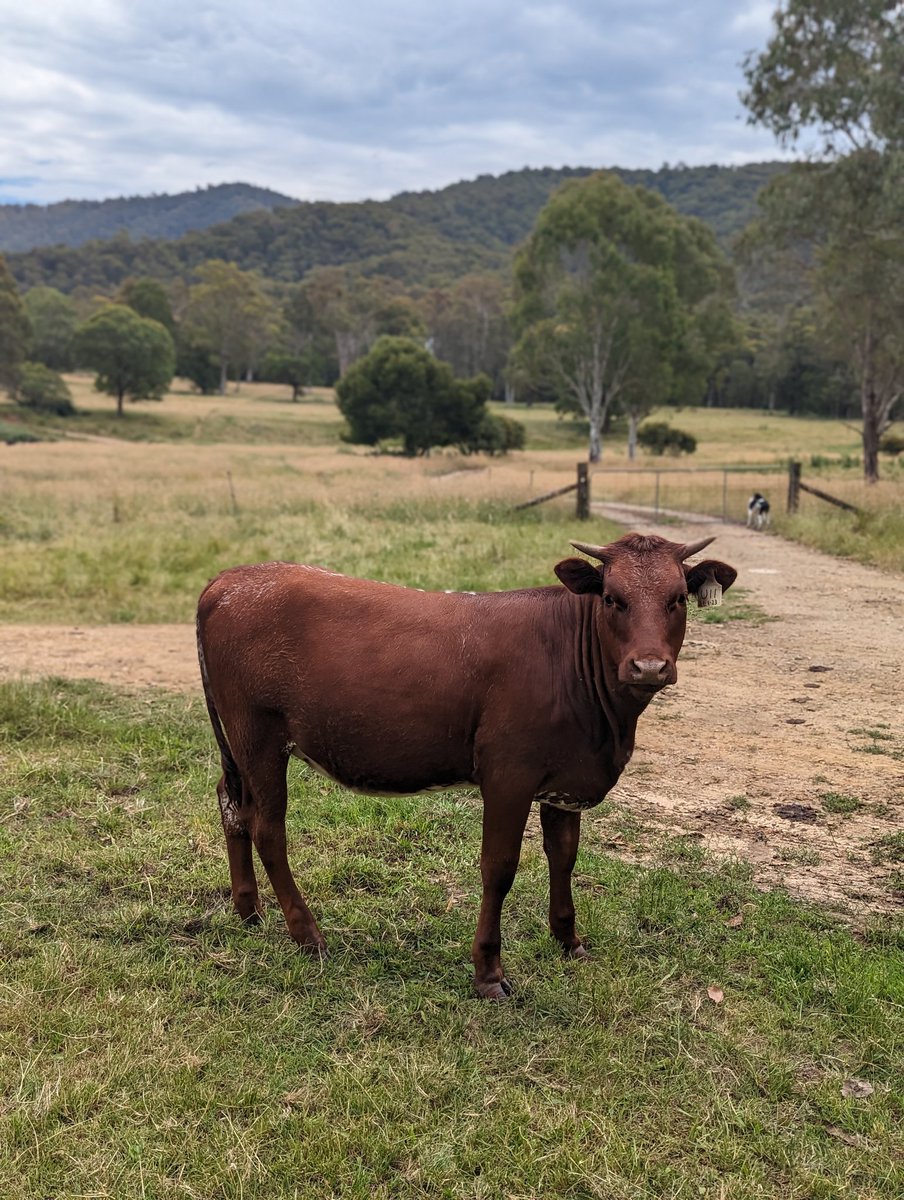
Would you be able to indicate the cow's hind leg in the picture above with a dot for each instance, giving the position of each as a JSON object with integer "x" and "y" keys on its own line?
{"x": 561, "y": 834}
{"x": 266, "y": 776}
{"x": 504, "y": 817}
{"x": 233, "y": 813}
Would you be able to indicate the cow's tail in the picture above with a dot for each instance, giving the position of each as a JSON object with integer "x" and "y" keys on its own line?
{"x": 231, "y": 776}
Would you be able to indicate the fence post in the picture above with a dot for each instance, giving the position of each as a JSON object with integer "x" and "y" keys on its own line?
{"x": 582, "y": 511}
{"x": 724, "y": 495}
{"x": 793, "y": 486}
{"x": 656, "y": 501}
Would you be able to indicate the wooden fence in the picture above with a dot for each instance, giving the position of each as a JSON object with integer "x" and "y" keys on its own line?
{"x": 796, "y": 486}
{"x": 581, "y": 486}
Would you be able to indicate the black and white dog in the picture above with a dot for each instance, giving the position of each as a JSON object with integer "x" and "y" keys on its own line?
{"x": 757, "y": 511}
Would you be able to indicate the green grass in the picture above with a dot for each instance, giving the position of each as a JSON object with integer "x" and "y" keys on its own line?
{"x": 875, "y": 537}
{"x": 107, "y": 564}
{"x": 151, "y": 1046}
{"x": 839, "y": 802}
{"x": 736, "y": 606}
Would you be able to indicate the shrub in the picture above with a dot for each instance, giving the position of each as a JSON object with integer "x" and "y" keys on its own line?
{"x": 43, "y": 390}
{"x": 399, "y": 390}
{"x": 892, "y": 443}
{"x": 494, "y": 435}
{"x": 658, "y": 437}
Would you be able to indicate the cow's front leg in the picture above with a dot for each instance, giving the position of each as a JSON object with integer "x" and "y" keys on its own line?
{"x": 561, "y": 834}
{"x": 504, "y": 817}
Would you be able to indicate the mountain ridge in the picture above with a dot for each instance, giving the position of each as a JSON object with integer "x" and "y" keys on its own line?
{"x": 25, "y": 227}
{"x": 420, "y": 238}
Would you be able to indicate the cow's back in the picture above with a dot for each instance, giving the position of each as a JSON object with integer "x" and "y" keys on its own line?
{"x": 382, "y": 687}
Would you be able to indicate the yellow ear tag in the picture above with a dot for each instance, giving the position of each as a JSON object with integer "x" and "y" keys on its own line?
{"x": 709, "y": 593}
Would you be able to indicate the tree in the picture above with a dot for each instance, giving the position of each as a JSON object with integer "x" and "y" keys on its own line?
{"x": 292, "y": 369}
{"x": 346, "y": 305}
{"x": 54, "y": 318}
{"x": 469, "y": 326}
{"x": 196, "y": 362}
{"x": 832, "y": 73}
{"x": 611, "y": 289}
{"x": 15, "y": 329}
{"x": 398, "y": 389}
{"x": 229, "y": 313}
{"x": 149, "y": 298}
{"x": 44, "y": 390}
{"x": 133, "y": 356}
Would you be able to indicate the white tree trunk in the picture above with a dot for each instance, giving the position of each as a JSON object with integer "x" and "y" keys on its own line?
{"x": 632, "y": 436}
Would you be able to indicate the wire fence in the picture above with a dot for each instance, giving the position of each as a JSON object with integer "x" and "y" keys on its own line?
{"x": 720, "y": 492}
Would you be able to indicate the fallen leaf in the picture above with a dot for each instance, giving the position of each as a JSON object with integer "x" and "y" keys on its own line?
{"x": 849, "y": 1139}
{"x": 734, "y": 922}
{"x": 856, "y": 1089}
{"x": 715, "y": 994}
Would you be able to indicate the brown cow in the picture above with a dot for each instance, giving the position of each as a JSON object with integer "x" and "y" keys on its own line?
{"x": 534, "y": 695}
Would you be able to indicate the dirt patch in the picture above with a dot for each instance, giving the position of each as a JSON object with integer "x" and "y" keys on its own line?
{"x": 766, "y": 721}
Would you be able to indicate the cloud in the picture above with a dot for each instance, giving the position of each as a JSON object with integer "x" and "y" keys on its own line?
{"x": 105, "y": 97}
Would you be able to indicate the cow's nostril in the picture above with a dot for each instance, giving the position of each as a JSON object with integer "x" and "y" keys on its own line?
{"x": 649, "y": 670}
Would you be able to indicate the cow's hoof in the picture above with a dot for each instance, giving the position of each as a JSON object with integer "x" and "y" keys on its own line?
{"x": 577, "y": 952}
{"x": 315, "y": 947}
{"x": 255, "y": 917}
{"x": 499, "y": 989}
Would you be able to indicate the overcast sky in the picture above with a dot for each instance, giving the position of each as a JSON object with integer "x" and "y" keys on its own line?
{"x": 345, "y": 99}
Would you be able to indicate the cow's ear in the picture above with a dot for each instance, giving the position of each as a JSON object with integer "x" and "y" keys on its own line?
{"x": 579, "y": 575}
{"x": 697, "y": 574}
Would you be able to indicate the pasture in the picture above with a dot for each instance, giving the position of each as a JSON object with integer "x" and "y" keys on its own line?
{"x": 151, "y": 1046}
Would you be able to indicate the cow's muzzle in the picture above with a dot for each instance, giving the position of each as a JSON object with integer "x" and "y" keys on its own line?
{"x": 650, "y": 672}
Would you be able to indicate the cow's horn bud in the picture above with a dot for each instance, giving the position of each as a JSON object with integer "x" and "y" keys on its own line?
{"x": 693, "y": 548}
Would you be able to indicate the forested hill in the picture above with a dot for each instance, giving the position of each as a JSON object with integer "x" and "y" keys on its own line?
{"x": 416, "y": 237}
{"x": 74, "y": 222}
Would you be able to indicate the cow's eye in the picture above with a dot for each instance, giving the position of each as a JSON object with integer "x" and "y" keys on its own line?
{"x": 678, "y": 602}
{"x": 610, "y": 602}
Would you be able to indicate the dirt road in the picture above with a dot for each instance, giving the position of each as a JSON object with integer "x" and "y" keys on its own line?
{"x": 805, "y": 706}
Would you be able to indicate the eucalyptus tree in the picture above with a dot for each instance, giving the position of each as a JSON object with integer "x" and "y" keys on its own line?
{"x": 614, "y": 295}
{"x": 829, "y": 82}
{"x": 54, "y": 318}
{"x": 228, "y": 312}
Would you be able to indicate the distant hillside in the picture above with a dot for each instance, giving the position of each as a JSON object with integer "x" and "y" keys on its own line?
{"x": 74, "y": 222}
{"x": 417, "y": 237}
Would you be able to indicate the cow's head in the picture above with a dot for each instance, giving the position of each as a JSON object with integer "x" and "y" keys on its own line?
{"x": 642, "y": 586}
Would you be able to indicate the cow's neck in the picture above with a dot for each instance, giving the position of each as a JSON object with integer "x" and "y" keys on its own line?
{"x": 620, "y": 706}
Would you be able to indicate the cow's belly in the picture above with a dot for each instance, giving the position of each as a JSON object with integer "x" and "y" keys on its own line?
{"x": 374, "y": 780}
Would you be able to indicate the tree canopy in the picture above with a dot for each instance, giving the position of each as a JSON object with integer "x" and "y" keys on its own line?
{"x": 133, "y": 356}
{"x": 229, "y": 314}
{"x": 400, "y": 390}
{"x": 616, "y": 297}
{"x": 54, "y": 318}
{"x": 831, "y": 74}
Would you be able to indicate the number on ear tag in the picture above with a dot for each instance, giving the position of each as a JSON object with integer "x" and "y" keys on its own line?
{"x": 709, "y": 593}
